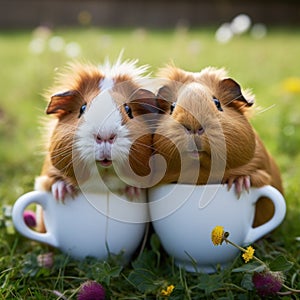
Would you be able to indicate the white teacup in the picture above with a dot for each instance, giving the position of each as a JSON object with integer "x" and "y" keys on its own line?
{"x": 184, "y": 216}
{"x": 93, "y": 225}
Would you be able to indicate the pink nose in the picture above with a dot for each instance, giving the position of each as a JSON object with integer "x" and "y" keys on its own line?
{"x": 108, "y": 139}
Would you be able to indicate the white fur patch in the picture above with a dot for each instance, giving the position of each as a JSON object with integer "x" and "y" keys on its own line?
{"x": 104, "y": 113}
{"x": 104, "y": 118}
{"x": 120, "y": 68}
{"x": 106, "y": 83}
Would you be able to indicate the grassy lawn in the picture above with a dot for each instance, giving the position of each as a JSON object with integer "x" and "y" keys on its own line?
{"x": 265, "y": 65}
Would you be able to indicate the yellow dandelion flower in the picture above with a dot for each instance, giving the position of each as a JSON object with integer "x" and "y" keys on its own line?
{"x": 248, "y": 254}
{"x": 168, "y": 291}
{"x": 217, "y": 235}
{"x": 292, "y": 85}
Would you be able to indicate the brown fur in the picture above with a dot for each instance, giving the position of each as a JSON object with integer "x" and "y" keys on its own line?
{"x": 77, "y": 85}
{"x": 81, "y": 85}
{"x": 228, "y": 148}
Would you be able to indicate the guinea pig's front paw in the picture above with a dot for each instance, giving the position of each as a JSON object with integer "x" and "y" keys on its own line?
{"x": 60, "y": 189}
{"x": 240, "y": 182}
{"x": 132, "y": 192}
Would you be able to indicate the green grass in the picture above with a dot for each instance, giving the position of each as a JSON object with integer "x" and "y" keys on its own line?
{"x": 261, "y": 65}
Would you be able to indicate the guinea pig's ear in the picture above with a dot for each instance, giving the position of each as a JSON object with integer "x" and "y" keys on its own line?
{"x": 166, "y": 100}
{"x": 143, "y": 102}
{"x": 62, "y": 103}
{"x": 233, "y": 96}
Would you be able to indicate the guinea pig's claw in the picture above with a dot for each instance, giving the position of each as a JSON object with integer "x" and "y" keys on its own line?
{"x": 230, "y": 182}
{"x": 247, "y": 183}
{"x": 241, "y": 183}
{"x": 61, "y": 189}
{"x": 132, "y": 192}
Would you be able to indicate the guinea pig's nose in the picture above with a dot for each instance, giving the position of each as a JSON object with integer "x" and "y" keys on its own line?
{"x": 200, "y": 131}
{"x": 105, "y": 138}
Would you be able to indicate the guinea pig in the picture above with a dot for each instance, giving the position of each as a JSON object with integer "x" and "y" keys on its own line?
{"x": 205, "y": 137}
{"x": 98, "y": 138}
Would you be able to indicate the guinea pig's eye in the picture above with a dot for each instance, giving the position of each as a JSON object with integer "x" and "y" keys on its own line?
{"x": 172, "y": 107}
{"x": 82, "y": 110}
{"x": 218, "y": 104}
{"x": 128, "y": 111}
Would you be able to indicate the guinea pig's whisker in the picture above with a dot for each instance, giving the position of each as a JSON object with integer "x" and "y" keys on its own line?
{"x": 143, "y": 144}
{"x": 67, "y": 166}
{"x": 243, "y": 106}
{"x": 266, "y": 109}
{"x": 62, "y": 152}
{"x": 137, "y": 160}
{"x": 236, "y": 98}
{"x": 167, "y": 141}
{"x": 60, "y": 157}
{"x": 63, "y": 149}
{"x": 167, "y": 151}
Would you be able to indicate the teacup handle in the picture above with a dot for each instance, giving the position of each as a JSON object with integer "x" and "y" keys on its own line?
{"x": 280, "y": 209}
{"x": 37, "y": 197}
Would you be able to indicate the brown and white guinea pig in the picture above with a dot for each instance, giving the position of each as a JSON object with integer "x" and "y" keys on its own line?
{"x": 99, "y": 133}
{"x": 205, "y": 137}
